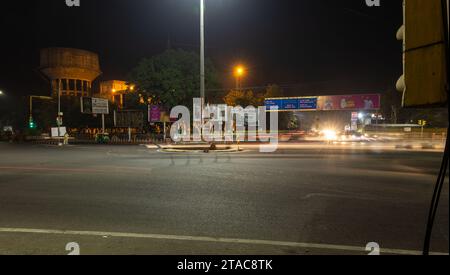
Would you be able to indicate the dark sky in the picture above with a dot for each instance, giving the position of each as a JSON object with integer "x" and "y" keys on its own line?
{"x": 306, "y": 46}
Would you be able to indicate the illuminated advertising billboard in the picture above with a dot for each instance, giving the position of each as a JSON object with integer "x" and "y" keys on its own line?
{"x": 349, "y": 102}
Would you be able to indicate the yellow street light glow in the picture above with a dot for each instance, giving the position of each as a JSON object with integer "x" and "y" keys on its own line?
{"x": 239, "y": 71}
{"x": 132, "y": 88}
{"x": 114, "y": 90}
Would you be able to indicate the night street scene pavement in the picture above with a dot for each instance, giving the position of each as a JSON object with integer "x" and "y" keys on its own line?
{"x": 224, "y": 128}
{"x": 294, "y": 201}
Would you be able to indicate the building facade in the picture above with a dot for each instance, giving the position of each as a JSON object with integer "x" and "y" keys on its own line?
{"x": 115, "y": 90}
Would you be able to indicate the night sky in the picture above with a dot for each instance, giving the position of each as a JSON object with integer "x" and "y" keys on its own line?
{"x": 306, "y": 46}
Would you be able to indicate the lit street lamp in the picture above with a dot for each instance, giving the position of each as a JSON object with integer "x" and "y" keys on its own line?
{"x": 239, "y": 73}
{"x": 1, "y": 93}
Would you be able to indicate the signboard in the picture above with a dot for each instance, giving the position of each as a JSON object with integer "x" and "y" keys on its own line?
{"x": 62, "y": 131}
{"x": 326, "y": 103}
{"x": 100, "y": 106}
{"x": 308, "y": 103}
{"x": 292, "y": 104}
{"x": 96, "y": 106}
{"x": 349, "y": 102}
{"x": 154, "y": 113}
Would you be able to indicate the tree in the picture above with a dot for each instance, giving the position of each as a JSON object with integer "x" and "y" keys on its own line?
{"x": 391, "y": 104}
{"x": 172, "y": 78}
{"x": 273, "y": 91}
{"x": 242, "y": 98}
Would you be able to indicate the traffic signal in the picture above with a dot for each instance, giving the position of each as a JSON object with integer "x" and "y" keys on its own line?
{"x": 424, "y": 34}
{"x": 31, "y": 123}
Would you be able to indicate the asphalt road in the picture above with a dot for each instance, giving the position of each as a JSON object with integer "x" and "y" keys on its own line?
{"x": 136, "y": 200}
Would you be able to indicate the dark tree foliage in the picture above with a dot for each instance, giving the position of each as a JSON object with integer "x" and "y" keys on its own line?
{"x": 170, "y": 79}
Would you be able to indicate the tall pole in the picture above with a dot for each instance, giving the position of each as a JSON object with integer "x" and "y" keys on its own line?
{"x": 238, "y": 83}
{"x": 202, "y": 63}
{"x": 202, "y": 53}
{"x": 103, "y": 124}
{"x": 59, "y": 108}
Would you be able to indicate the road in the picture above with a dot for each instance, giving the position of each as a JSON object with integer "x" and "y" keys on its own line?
{"x": 136, "y": 200}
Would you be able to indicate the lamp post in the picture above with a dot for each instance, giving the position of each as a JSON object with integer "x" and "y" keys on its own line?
{"x": 202, "y": 49}
{"x": 59, "y": 117}
{"x": 239, "y": 73}
{"x": 202, "y": 55}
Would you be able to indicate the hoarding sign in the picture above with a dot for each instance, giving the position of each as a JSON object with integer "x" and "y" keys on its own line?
{"x": 96, "y": 106}
{"x": 349, "y": 102}
{"x": 154, "y": 114}
{"x": 308, "y": 103}
{"x": 276, "y": 103}
{"x": 100, "y": 106}
{"x": 292, "y": 104}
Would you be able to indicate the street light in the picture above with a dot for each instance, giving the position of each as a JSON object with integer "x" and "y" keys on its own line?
{"x": 239, "y": 73}
{"x": 1, "y": 93}
{"x": 202, "y": 51}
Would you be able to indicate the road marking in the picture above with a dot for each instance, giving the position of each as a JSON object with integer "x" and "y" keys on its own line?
{"x": 210, "y": 239}
{"x": 108, "y": 170}
{"x": 30, "y": 168}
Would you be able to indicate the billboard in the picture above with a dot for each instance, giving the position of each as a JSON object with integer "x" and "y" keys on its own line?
{"x": 292, "y": 104}
{"x": 154, "y": 113}
{"x": 96, "y": 106}
{"x": 349, "y": 102}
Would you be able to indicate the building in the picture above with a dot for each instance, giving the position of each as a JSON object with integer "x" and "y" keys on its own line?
{"x": 71, "y": 71}
{"x": 114, "y": 90}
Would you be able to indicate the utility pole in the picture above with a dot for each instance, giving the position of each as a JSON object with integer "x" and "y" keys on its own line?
{"x": 202, "y": 51}
{"x": 202, "y": 62}
{"x": 58, "y": 119}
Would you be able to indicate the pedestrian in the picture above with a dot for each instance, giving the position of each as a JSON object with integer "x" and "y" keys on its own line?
{"x": 66, "y": 138}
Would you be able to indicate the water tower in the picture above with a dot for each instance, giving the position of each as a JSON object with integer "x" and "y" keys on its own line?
{"x": 73, "y": 70}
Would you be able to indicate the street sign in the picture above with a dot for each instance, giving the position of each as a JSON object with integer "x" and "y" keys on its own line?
{"x": 96, "y": 106}
{"x": 100, "y": 106}
{"x": 292, "y": 104}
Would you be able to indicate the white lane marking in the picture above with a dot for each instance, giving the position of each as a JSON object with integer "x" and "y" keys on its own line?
{"x": 210, "y": 239}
